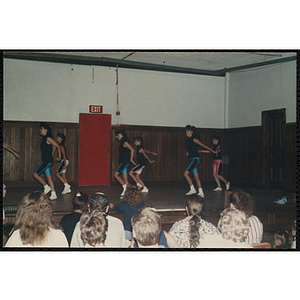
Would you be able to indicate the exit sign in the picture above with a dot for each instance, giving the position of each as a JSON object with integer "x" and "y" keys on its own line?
{"x": 96, "y": 109}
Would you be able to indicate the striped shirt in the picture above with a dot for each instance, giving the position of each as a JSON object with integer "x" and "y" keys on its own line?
{"x": 255, "y": 234}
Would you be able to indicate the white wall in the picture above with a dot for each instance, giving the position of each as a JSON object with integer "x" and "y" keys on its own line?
{"x": 253, "y": 91}
{"x": 52, "y": 92}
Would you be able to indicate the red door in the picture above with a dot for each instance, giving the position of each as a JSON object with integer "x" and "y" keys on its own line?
{"x": 94, "y": 149}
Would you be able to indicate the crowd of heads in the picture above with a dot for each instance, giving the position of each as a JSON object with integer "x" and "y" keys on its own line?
{"x": 34, "y": 219}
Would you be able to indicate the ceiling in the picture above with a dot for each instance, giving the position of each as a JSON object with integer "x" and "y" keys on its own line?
{"x": 215, "y": 63}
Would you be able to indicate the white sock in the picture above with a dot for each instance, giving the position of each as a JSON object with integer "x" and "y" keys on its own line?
{"x": 53, "y": 193}
{"x": 192, "y": 187}
{"x": 66, "y": 185}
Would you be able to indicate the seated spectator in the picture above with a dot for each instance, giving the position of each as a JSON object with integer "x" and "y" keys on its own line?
{"x": 146, "y": 227}
{"x": 189, "y": 232}
{"x": 131, "y": 203}
{"x": 243, "y": 201}
{"x": 234, "y": 228}
{"x": 115, "y": 233}
{"x": 294, "y": 234}
{"x": 282, "y": 240}
{"x": 4, "y": 193}
{"x": 93, "y": 229}
{"x": 68, "y": 222}
{"x": 34, "y": 226}
{"x": 165, "y": 240}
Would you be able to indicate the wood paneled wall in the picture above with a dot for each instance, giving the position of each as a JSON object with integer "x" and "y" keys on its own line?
{"x": 169, "y": 143}
{"x": 25, "y": 137}
{"x": 242, "y": 147}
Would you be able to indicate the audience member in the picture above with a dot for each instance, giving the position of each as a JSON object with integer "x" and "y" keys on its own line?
{"x": 282, "y": 240}
{"x": 294, "y": 234}
{"x": 243, "y": 201}
{"x": 146, "y": 226}
{"x": 68, "y": 222}
{"x": 131, "y": 203}
{"x": 234, "y": 228}
{"x": 34, "y": 226}
{"x": 93, "y": 228}
{"x": 165, "y": 240}
{"x": 189, "y": 232}
{"x": 4, "y": 193}
{"x": 115, "y": 233}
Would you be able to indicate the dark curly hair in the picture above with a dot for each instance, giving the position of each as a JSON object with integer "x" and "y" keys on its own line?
{"x": 133, "y": 195}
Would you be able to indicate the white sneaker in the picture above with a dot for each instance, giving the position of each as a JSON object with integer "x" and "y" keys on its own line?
{"x": 124, "y": 190}
{"x": 47, "y": 189}
{"x": 227, "y": 186}
{"x": 192, "y": 191}
{"x": 66, "y": 190}
{"x": 217, "y": 189}
{"x": 139, "y": 185}
{"x": 201, "y": 194}
{"x": 53, "y": 196}
{"x": 144, "y": 190}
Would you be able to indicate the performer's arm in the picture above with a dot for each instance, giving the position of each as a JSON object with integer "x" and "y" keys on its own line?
{"x": 153, "y": 153}
{"x": 144, "y": 153}
{"x": 196, "y": 141}
{"x": 51, "y": 141}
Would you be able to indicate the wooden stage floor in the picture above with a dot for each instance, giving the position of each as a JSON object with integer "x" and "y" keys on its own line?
{"x": 169, "y": 198}
{"x": 162, "y": 195}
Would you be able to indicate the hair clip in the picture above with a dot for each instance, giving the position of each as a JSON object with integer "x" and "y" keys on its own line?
{"x": 78, "y": 194}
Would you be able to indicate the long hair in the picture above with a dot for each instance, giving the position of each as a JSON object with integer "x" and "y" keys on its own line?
{"x": 133, "y": 195}
{"x": 34, "y": 218}
{"x": 63, "y": 138}
{"x": 195, "y": 208}
{"x": 49, "y": 129}
{"x": 242, "y": 201}
{"x": 123, "y": 133}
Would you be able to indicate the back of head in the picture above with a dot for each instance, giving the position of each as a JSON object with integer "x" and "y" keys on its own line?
{"x": 79, "y": 201}
{"x": 284, "y": 237}
{"x": 99, "y": 201}
{"x": 233, "y": 225}
{"x": 93, "y": 228}
{"x": 133, "y": 195}
{"x": 242, "y": 201}
{"x": 195, "y": 208}
{"x": 146, "y": 225}
{"x": 34, "y": 218}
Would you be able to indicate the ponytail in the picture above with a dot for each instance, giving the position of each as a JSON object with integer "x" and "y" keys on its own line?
{"x": 194, "y": 231}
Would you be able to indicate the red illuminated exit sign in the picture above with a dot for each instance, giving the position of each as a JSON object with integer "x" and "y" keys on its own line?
{"x": 96, "y": 109}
